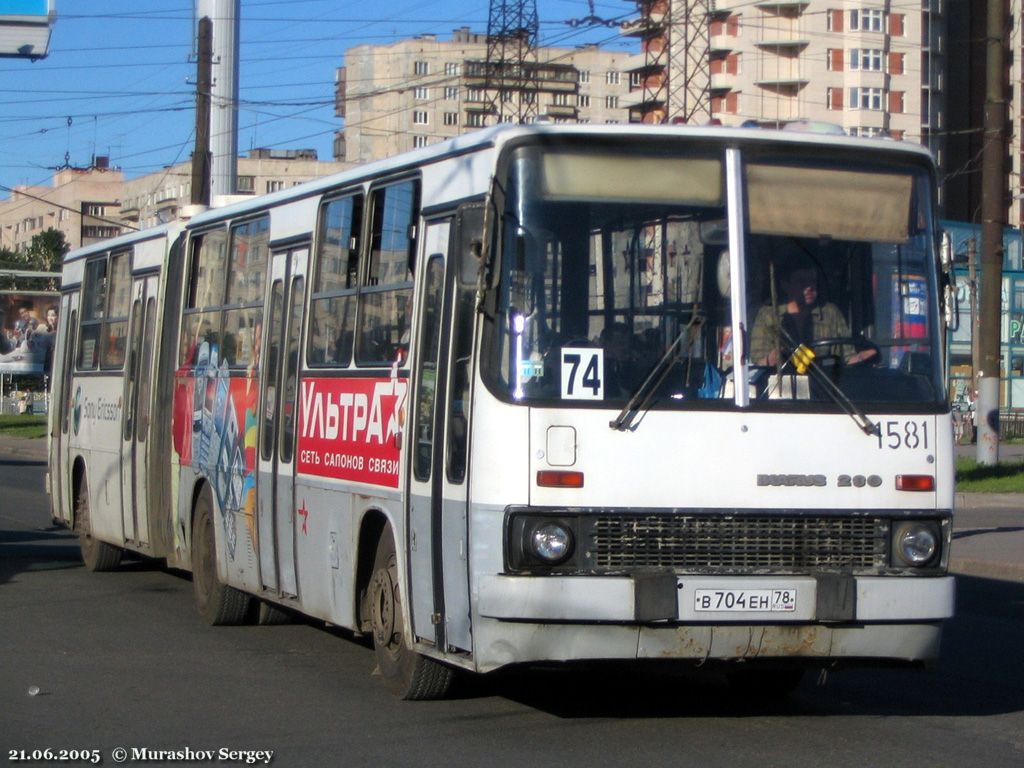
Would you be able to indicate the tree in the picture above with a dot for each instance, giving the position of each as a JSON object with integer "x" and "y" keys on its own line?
{"x": 47, "y": 250}
{"x": 44, "y": 254}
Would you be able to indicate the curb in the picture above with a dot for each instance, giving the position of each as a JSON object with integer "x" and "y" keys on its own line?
{"x": 23, "y": 448}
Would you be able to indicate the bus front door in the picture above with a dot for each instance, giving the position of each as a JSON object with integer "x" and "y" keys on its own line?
{"x": 438, "y": 544}
{"x": 275, "y": 520}
{"x": 136, "y": 410}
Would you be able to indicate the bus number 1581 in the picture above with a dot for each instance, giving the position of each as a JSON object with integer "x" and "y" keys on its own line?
{"x": 902, "y": 434}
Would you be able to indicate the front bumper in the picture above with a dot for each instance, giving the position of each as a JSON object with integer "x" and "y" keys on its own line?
{"x": 528, "y": 619}
{"x": 656, "y": 597}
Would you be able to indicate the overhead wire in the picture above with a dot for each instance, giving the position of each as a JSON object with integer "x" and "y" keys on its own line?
{"x": 263, "y": 107}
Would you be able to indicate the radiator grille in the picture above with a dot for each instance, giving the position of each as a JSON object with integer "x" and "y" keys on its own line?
{"x": 739, "y": 543}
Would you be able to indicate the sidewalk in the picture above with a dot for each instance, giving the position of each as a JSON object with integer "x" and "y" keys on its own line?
{"x": 988, "y": 536}
{"x": 988, "y": 528}
{"x": 22, "y": 449}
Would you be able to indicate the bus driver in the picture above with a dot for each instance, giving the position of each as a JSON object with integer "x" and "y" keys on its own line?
{"x": 801, "y": 320}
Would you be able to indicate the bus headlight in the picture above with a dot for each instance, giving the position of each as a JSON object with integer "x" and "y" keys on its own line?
{"x": 915, "y": 543}
{"x": 542, "y": 541}
{"x": 551, "y": 543}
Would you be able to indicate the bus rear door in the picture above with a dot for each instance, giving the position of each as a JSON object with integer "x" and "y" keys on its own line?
{"x": 136, "y": 410}
{"x": 61, "y": 409}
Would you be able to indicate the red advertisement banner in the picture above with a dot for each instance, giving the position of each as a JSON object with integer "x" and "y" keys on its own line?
{"x": 350, "y": 429}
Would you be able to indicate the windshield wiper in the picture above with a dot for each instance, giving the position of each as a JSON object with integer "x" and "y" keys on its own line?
{"x": 804, "y": 359}
{"x": 640, "y": 399}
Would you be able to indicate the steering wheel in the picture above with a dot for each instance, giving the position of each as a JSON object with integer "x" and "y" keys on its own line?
{"x": 859, "y": 343}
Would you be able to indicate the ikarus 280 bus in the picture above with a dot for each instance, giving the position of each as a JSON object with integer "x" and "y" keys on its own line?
{"x": 536, "y": 394}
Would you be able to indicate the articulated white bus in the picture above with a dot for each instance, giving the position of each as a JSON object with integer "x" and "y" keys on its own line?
{"x": 535, "y": 394}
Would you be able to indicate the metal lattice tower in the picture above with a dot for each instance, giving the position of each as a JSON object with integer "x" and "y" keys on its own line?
{"x": 689, "y": 74}
{"x": 512, "y": 72}
{"x": 677, "y": 72}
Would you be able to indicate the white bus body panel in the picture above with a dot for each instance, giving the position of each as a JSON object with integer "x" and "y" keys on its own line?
{"x": 293, "y": 221}
{"x": 716, "y": 460}
{"x": 96, "y": 412}
{"x": 457, "y": 178}
{"x": 149, "y": 255}
{"x": 522, "y": 618}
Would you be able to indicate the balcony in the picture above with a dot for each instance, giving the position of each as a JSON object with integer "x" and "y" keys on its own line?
{"x": 558, "y": 86}
{"x": 723, "y": 81}
{"x": 479, "y": 107}
{"x": 561, "y": 110}
{"x": 722, "y": 43}
{"x": 635, "y": 27}
{"x": 782, "y": 83}
{"x": 792, "y": 45}
{"x": 644, "y": 26}
{"x": 641, "y": 101}
{"x": 782, "y": 5}
{"x": 723, "y": 6}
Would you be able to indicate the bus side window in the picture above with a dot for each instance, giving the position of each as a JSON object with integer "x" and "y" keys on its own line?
{"x": 386, "y": 294}
{"x": 94, "y": 292}
{"x": 335, "y": 283}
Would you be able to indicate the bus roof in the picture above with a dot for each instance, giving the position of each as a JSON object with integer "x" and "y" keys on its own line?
{"x": 121, "y": 241}
{"x": 497, "y": 135}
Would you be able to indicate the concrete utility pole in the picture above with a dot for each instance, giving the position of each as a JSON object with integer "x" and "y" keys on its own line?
{"x": 226, "y": 16}
{"x": 993, "y": 214}
{"x": 972, "y": 288}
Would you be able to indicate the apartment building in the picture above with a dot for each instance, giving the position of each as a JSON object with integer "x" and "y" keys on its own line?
{"x": 96, "y": 203}
{"x": 875, "y": 68}
{"x": 80, "y": 202}
{"x": 420, "y": 91}
{"x": 158, "y": 197}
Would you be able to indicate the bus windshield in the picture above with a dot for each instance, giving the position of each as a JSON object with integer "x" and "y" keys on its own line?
{"x": 616, "y": 276}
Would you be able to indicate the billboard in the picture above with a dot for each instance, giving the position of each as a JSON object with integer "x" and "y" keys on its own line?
{"x": 25, "y": 28}
{"x": 28, "y": 328}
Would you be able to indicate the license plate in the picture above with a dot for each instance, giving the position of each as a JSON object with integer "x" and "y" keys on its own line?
{"x": 745, "y": 600}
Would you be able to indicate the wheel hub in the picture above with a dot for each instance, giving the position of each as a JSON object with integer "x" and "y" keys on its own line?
{"x": 383, "y": 608}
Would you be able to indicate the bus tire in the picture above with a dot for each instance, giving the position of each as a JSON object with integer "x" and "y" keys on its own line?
{"x": 217, "y": 603}
{"x": 268, "y": 614}
{"x": 408, "y": 674}
{"x": 97, "y": 555}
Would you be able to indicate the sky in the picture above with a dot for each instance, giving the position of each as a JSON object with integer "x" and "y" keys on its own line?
{"x": 119, "y": 77}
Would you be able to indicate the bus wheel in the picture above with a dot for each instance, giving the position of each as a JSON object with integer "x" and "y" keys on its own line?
{"x": 97, "y": 555}
{"x": 268, "y": 614}
{"x": 217, "y": 603}
{"x": 409, "y": 675}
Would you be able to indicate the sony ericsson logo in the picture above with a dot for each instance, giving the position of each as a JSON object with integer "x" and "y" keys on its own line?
{"x": 792, "y": 481}
{"x": 76, "y": 410}
{"x": 90, "y": 409}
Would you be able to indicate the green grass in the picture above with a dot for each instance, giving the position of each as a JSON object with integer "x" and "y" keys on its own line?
{"x": 1005, "y": 477}
{"x": 23, "y": 425}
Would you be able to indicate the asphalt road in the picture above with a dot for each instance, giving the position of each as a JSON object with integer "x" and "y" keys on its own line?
{"x": 122, "y": 660}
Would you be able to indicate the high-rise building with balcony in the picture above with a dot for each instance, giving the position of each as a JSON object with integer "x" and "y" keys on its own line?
{"x": 873, "y": 68}
{"x": 419, "y": 91}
